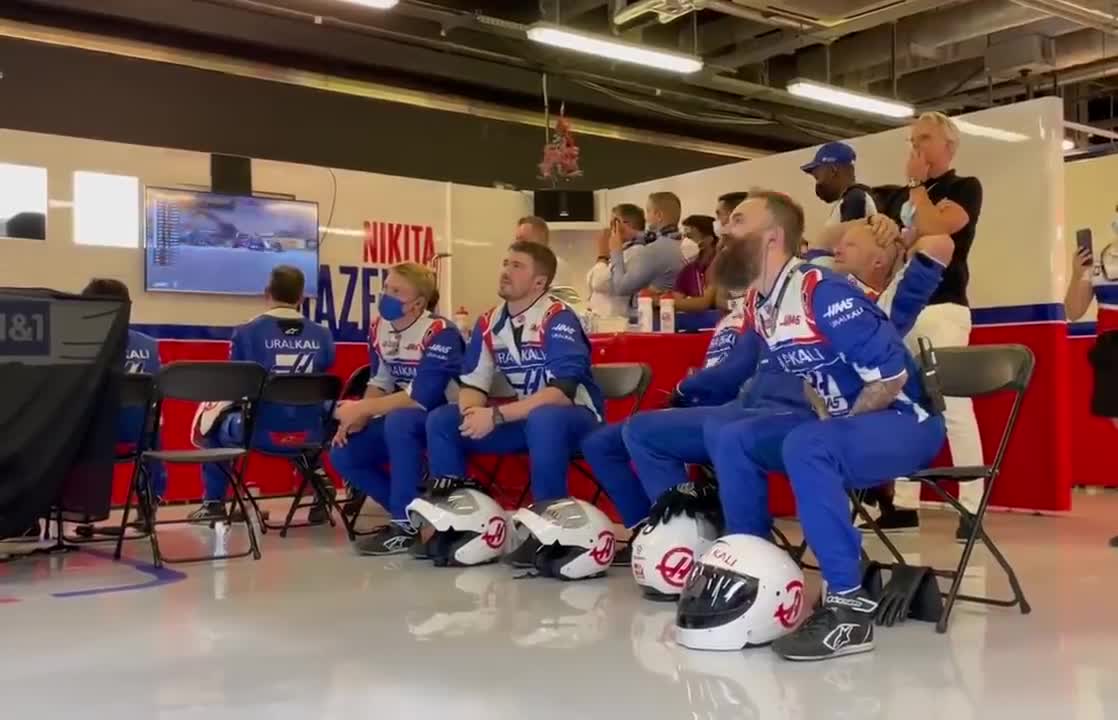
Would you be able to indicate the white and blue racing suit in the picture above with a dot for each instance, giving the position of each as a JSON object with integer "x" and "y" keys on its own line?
{"x": 543, "y": 346}
{"x": 822, "y": 328}
{"x": 385, "y": 459}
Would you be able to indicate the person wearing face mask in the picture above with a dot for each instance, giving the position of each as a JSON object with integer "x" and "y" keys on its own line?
{"x": 628, "y": 221}
{"x": 283, "y": 342}
{"x": 414, "y": 361}
{"x": 692, "y": 291}
{"x": 724, "y": 209}
{"x": 836, "y": 184}
{"x": 941, "y": 202}
{"x": 820, "y": 328}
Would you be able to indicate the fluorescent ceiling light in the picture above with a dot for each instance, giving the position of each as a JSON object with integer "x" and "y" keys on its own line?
{"x": 1068, "y": 145}
{"x": 613, "y": 49}
{"x": 378, "y": 4}
{"x": 845, "y": 98}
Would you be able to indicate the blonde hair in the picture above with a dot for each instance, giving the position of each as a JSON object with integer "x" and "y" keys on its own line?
{"x": 668, "y": 204}
{"x": 421, "y": 278}
{"x": 945, "y": 124}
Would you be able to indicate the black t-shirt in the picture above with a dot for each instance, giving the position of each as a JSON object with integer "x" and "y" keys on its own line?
{"x": 966, "y": 192}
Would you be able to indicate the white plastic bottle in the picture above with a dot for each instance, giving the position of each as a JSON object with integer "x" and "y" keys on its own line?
{"x": 667, "y": 314}
{"x": 644, "y": 312}
{"x": 462, "y": 321}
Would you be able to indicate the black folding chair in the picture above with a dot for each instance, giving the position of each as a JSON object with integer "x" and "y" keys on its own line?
{"x": 317, "y": 390}
{"x": 213, "y": 382}
{"x": 137, "y": 392}
{"x": 354, "y": 388}
{"x": 618, "y": 382}
{"x": 973, "y": 372}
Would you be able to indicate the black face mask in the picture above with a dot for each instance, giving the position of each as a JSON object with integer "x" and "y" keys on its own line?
{"x": 826, "y": 194}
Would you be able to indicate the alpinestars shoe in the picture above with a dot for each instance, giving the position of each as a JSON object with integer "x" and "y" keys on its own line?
{"x": 842, "y": 625}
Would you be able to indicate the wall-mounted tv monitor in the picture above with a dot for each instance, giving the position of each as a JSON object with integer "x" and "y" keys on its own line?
{"x": 201, "y": 242}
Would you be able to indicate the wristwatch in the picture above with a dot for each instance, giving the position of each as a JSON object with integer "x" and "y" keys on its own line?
{"x": 914, "y": 183}
{"x": 498, "y": 416}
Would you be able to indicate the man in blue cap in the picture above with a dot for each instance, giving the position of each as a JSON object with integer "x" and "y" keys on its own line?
{"x": 836, "y": 184}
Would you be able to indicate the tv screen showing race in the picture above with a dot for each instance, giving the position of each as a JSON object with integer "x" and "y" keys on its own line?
{"x": 204, "y": 242}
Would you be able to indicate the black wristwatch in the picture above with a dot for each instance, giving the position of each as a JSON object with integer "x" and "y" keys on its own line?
{"x": 498, "y": 416}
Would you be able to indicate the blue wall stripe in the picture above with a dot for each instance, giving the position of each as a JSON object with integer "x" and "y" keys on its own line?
{"x": 1082, "y": 329}
{"x": 1018, "y": 314}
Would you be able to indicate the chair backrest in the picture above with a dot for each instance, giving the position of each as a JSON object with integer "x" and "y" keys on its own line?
{"x": 137, "y": 390}
{"x": 316, "y": 389}
{"x": 623, "y": 381}
{"x": 212, "y": 381}
{"x": 984, "y": 369}
{"x": 357, "y": 383}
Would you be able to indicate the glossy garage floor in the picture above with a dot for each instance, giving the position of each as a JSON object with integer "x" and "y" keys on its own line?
{"x": 313, "y": 631}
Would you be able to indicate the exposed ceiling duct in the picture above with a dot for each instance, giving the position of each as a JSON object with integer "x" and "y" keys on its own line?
{"x": 668, "y": 11}
{"x": 917, "y": 37}
{"x": 1092, "y": 13}
{"x": 1059, "y": 54}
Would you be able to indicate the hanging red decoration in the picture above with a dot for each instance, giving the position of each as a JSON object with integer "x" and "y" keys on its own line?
{"x": 560, "y": 155}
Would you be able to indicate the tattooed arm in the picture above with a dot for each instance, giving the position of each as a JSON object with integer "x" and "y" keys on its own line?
{"x": 878, "y": 395}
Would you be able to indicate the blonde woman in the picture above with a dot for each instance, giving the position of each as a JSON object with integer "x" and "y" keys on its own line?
{"x": 414, "y": 361}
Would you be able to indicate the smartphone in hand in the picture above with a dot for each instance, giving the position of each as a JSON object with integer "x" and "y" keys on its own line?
{"x": 1085, "y": 243}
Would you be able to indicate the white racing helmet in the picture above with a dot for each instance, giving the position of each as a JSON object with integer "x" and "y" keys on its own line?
{"x": 470, "y": 528}
{"x": 664, "y": 553}
{"x": 573, "y": 539}
{"x": 743, "y": 591}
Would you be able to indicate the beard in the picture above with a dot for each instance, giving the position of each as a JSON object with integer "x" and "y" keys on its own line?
{"x": 737, "y": 265}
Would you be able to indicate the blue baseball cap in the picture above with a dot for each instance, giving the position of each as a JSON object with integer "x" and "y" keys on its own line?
{"x": 834, "y": 153}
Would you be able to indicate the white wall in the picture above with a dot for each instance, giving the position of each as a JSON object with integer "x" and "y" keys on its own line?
{"x": 474, "y": 224}
{"x": 1092, "y": 194}
{"x": 1017, "y": 257}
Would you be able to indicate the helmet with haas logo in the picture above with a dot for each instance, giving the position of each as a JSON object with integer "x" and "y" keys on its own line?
{"x": 664, "y": 553}
{"x": 569, "y": 539}
{"x": 743, "y": 591}
{"x": 470, "y": 528}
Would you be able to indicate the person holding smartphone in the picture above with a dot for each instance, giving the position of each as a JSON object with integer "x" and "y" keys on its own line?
{"x": 1091, "y": 280}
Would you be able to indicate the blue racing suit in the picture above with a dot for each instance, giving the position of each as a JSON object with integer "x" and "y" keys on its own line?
{"x": 423, "y": 360}
{"x": 283, "y": 342}
{"x": 142, "y": 356}
{"x": 544, "y": 346}
{"x": 823, "y": 329}
{"x": 730, "y": 360}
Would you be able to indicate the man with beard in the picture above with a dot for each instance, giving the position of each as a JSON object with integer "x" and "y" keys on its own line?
{"x": 820, "y": 327}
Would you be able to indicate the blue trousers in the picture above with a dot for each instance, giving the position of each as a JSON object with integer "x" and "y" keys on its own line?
{"x": 396, "y": 440}
{"x": 550, "y": 435}
{"x": 228, "y": 432}
{"x": 823, "y": 459}
{"x": 128, "y": 430}
{"x": 639, "y": 460}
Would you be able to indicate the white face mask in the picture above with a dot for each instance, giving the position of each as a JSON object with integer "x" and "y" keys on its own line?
{"x": 908, "y": 214}
{"x": 719, "y": 230}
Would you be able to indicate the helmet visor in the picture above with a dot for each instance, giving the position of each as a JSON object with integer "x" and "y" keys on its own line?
{"x": 714, "y": 597}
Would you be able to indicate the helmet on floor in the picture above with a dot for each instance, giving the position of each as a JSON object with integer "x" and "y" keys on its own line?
{"x": 469, "y": 527}
{"x": 573, "y": 539}
{"x": 743, "y": 591}
{"x": 664, "y": 553}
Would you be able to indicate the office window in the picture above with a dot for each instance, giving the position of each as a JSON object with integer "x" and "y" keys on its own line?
{"x": 23, "y": 202}
{"x": 106, "y": 210}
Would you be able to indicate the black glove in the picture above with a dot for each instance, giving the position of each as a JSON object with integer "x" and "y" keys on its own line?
{"x": 442, "y": 487}
{"x": 688, "y": 499}
{"x": 899, "y": 592}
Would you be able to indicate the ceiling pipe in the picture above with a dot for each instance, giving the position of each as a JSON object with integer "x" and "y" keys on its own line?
{"x": 670, "y": 10}
{"x": 1084, "y": 12}
{"x": 745, "y": 13}
{"x": 1068, "y": 51}
{"x": 790, "y": 41}
{"x": 919, "y": 36}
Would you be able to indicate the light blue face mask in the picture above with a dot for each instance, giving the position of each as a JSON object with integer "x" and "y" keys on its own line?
{"x": 908, "y": 214}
